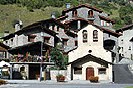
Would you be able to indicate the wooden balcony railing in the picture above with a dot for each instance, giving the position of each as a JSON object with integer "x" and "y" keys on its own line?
{"x": 17, "y": 58}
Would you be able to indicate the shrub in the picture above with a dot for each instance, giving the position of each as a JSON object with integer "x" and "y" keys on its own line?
{"x": 60, "y": 78}
{"x": 2, "y": 82}
{"x": 93, "y": 79}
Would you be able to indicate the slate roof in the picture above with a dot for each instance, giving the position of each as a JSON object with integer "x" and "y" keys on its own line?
{"x": 125, "y": 28}
{"x": 107, "y": 19}
{"x": 90, "y": 57}
{"x": 82, "y": 5}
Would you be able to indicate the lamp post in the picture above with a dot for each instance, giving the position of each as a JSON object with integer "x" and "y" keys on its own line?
{"x": 41, "y": 58}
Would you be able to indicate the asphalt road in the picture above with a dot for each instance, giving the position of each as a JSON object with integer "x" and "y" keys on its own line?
{"x": 41, "y": 85}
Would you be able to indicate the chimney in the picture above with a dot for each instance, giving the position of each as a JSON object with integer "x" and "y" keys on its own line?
{"x": 68, "y": 5}
{"x": 18, "y": 25}
{"x": 53, "y": 15}
{"x": 6, "y": 32}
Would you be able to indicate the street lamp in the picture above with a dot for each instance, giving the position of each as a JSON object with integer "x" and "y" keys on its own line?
{"x": 41, "y": 57}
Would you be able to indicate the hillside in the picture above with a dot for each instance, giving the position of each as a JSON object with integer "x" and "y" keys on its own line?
{"x": 121, "y": 12}
{"x": 10, "y": 13}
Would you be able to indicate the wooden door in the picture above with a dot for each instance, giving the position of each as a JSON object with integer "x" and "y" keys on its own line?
{"x": 89, "y": 72}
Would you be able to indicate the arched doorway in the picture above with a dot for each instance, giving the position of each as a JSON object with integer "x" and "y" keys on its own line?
{"x": 89, "y": 72}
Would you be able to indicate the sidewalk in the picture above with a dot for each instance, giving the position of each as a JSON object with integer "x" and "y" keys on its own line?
{"x": 52, "y": 82}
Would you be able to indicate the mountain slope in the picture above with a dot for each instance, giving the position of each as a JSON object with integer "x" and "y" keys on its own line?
{"x": 10, "y": 13}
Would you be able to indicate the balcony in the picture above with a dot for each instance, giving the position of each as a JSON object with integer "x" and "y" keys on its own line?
{"x": 21, "y": 58}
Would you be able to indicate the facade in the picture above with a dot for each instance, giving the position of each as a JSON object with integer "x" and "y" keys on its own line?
{"x": 3, "y": 51}
{"x": 85, "y": 33}
{"x": 97, "y": 43}
{"x": 125, "y": 41}
{"x": 90, "y": 58}
{"x": 80, "y": 16}
{"x": 31, "y": 46}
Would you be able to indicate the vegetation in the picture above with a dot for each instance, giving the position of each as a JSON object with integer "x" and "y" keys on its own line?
{"x": 10, "y": 14}
{"x": 93, "y": 79}
{"x": 119, "y": 10}
{"x": 60, "y": 78}
{"x": 58, "y": 57}
{"x": 30, "y": 11}
{"x": 2, "y": 82}
{"x": 37, "y": 4}
{"x": 130, "y": 87}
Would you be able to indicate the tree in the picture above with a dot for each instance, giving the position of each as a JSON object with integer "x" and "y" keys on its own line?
{"x": 58, "y": 58}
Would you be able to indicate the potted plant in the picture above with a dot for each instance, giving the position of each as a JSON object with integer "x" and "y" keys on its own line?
{"x": 94, "y": 79}
{"x": 2, "y": 82}
{"x": 60, "y": 78}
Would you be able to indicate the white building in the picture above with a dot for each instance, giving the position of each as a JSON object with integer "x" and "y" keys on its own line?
{"x": 90, "y": 58}
{"x": 125, "y": 44}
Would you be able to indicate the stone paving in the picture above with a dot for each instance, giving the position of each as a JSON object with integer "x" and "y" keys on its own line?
{"x": 54, "y": 84}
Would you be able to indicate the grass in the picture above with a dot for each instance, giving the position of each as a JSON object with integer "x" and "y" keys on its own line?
{"x": 130, "y": 87}
{"x": 9, "y": 13}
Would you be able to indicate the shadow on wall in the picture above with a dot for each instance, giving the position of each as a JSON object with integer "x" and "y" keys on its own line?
{"x": 17, "y": 75}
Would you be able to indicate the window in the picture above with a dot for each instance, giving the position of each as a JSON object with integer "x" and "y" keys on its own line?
{"x": 6, "y": 42}
{"x": 46, "y": 39}
{"x": 31, "y": 38}
{"x": 109, "y": 35}
{"x": 84, "y": 33}
{"x": 103, "y": 23}
{"x": 95, "y": 36}
{"x": 76, "y": 43}
{"x": 11, "y": 41}
{"x": 122, "y": 41}
{"x": 65, "y": 41}
{"x": 102, "y": 71}
{"x": 77, "y": 70}
{"x": 108, "y": 24}
{"x": 129, "y": 48}
{"x": 122, "y": 49}
{"x": 58, "y": 28}
{"x": 53, "y": 26}
{"x": 74, "y": 13}
{"x": 90, "y": 13}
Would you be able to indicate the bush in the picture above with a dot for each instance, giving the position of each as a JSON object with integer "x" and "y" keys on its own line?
{"x": 93, "y": 79}
{"x": 60, "y": 78}
{"x": 2, "y": 82}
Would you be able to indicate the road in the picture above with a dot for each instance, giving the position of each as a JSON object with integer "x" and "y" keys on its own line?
{"x": 62, "y": 85}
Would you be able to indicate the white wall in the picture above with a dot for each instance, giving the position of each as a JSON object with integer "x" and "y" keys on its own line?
{"x": 54, "y": 73}
{"x": 97, "y": 50}
{"x": 124, "y": 41}
{"x": 96, "y": 47}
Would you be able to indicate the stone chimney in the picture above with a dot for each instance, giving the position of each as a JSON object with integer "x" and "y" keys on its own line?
{"x": 68, "y": 5}
{"x": 18, "y": 25}
{"x": 53, "y": 15}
